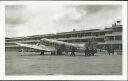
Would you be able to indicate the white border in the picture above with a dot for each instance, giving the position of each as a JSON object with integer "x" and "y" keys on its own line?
{"x": 62, "y": 77}
{"x": 2, "y": 42}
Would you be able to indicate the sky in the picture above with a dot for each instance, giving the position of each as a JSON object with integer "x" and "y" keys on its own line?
{"x": 26, "y": 20}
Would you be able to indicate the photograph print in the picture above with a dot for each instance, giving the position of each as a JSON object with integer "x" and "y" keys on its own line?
{"x": 63, "y": 39}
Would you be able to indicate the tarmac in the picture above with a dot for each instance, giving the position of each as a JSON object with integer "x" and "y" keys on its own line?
{"x": 34, "y": 64}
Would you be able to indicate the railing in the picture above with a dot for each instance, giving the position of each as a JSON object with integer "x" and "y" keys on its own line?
{"x": 75, "y": 38}
{"x": 113, "y": 42}
{"x": 23, "y": 41}
{"x": 113, "y": 34}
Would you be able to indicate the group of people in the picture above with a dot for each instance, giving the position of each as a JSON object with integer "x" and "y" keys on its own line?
{"x": 73, "y": 50}
{"x": 63, "y": 48}
{"x": 87, "y": 51}
{"x": 110, "y": 51}
{"x": 90, "y": 52}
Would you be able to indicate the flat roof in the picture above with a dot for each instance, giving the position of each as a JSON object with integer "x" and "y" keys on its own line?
{"x": 61, "y": 33}
{"x": 80, "y": 31}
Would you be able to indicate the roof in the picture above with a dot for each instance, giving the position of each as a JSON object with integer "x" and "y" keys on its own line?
{"x": 80, "y": 31}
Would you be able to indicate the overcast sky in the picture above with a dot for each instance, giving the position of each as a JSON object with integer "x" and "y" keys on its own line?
{"x": 24, "y": 20}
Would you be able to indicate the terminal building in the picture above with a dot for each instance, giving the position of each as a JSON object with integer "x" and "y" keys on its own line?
{"x": 108, "y": 37}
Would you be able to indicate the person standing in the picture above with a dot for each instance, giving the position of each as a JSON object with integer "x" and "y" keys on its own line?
{"x": 112, "y": 51}
{"x": 86, "y": 51}
{"x": 108, "y": 50}
{"x": 73, "y": 49}
{"x": 59, "y": 51}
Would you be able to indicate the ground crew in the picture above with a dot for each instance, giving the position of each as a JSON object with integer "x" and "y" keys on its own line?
{"x": 113, "y": 50}
{"x": 59, "y": 51}
{"x": 73, "y": 49}
{"x": 110, "y": 50}
{"x": 86, "y": 51}
{"x": 93, "y": 51}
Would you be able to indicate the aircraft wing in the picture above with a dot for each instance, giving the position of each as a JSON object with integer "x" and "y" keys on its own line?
{"x": 37, "y": 47}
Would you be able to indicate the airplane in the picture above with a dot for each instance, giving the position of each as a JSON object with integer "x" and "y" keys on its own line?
{"x": 52, "y": 45}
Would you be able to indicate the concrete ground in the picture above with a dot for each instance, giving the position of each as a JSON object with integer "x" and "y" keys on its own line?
{"x": 30, "y": 64}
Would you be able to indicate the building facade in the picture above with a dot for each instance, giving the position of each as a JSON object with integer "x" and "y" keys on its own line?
{"x": 109, "y": 37}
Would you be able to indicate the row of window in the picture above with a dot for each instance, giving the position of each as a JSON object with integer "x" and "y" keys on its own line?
{"x": 85, "y": 40}
{"x": 115, "y": 46}
{"x": 79, "y": 40}
{"x": 113, "y": 38}
{"x": 83, "y": 34}
{"x": 76, "y": 35}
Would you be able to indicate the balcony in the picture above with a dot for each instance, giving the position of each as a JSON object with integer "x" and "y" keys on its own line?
{"x": 114, "y": 34}
{"x": 73, "y": 38}
{"x": 112, "y": 42}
